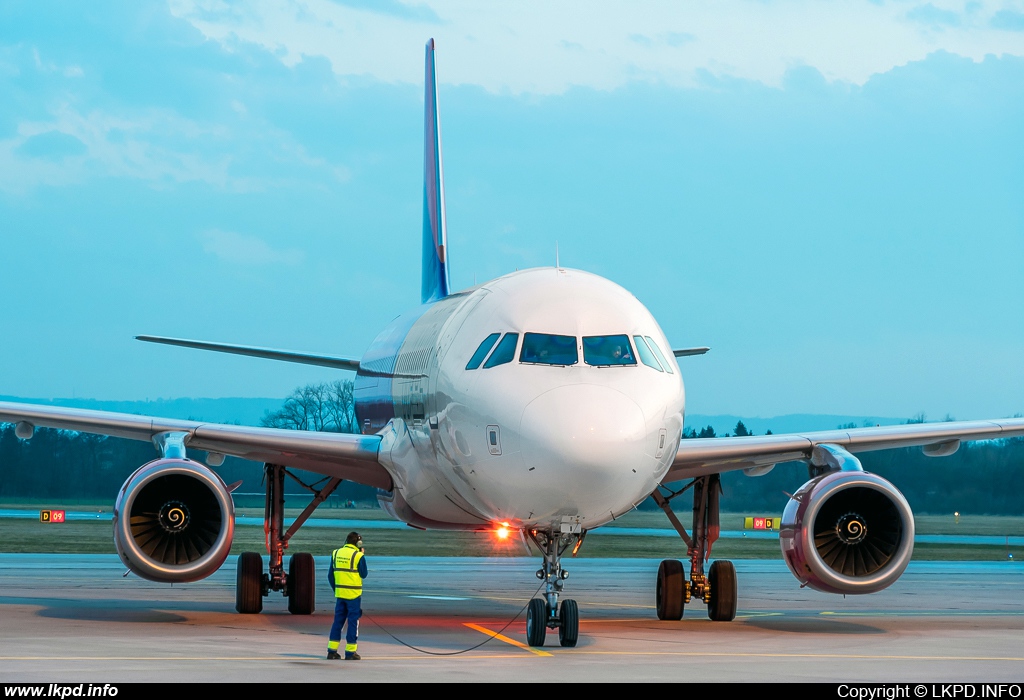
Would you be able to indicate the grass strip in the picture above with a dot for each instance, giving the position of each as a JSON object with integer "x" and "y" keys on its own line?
{"x": 85, "y": 537}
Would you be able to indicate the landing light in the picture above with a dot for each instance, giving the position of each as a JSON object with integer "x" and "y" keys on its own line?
{"x": 502, "y": 531}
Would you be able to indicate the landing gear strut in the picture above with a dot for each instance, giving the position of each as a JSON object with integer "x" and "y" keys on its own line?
{"x": 718, "y": 589}
{"x": 299, "y": 584}
{"x": 547, "y": 612}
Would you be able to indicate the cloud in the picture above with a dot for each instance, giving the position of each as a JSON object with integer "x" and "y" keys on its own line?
{"x": 417, "y": 12}
{"x": 934, "y": 17}
{"x": 58, "y": 135}
{"x": 238, "y": 249}
{"x": 673, "y": 39}
{"x": 521, "y": 48}
{"x": 72, "y": 147}
{"x": 1009, "y": 20}
{"x": 676, "y": 39}
{"x": 51, "y": 145}
{"x": 68, "y": 71}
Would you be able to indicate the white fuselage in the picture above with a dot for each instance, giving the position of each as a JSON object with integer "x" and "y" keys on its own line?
{"x": 528, "y": 443}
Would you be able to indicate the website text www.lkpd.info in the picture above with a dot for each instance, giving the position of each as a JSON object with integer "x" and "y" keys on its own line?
{"x": 61, "y": 690}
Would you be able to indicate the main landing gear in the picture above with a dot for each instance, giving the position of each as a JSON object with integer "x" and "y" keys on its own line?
{"x": 299, "y": 584}
{"x": 547, "y": 613}
{"x": 718, "y": 588}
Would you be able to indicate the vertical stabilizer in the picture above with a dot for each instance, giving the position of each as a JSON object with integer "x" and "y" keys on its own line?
{"x": 435, "y": 233}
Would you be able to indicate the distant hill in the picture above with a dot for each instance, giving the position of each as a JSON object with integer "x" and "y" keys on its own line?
{"x": 792, "y": 423}
{"x": 250, "y": 411}
{"x": 233, "y": 410}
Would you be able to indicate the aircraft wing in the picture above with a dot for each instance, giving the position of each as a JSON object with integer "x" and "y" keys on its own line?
{"x": 304, "y": 358}
{"x": 703, "y": 456}
{"x": 349, "y": 457}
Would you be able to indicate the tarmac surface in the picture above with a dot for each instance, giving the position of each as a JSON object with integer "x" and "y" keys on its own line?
{"x": 75, "y": 618}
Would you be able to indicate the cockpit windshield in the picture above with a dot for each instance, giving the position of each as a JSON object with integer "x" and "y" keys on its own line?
{"x": 481, "y": 352}
{"x": 564, "y": 351}
{"x": 607, "y": 350}
{"x": 645, "y": 353}
{"x": 505, "y": 351}
{"x": 544, "y": 349}
{"x": 661, "y": 357}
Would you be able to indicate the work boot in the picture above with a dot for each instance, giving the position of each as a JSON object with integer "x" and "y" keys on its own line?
{"x": 332, "y": 655}
{"x": 352, "y": 657}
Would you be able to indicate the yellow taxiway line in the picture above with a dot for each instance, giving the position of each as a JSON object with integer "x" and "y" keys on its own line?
{"x": 507, "y": 640}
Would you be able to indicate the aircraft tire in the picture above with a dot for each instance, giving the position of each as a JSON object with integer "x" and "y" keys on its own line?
{"x": 249, "y": 583}
{"x": 301, "y": 584}
{"x": 569, "y": 623}
{"x": 536, "y": 622}
{"x": 722, "y": 580}
{"x": 670, "y": 596}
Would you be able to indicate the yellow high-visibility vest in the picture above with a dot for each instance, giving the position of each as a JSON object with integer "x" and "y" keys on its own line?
{"x": 348, "y": 584}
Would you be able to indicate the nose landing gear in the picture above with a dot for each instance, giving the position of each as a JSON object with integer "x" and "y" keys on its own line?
{"x": 547, "y": 613}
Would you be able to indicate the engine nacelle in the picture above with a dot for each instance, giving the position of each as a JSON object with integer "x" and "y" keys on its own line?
{"x": 847, "y": 532}
{"x": 173, "y": 521}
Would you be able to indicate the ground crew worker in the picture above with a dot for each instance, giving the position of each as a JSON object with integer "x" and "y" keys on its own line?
{"x": 346, "y": 574}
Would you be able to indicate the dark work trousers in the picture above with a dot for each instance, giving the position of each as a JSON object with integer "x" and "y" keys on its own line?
{"x": 346, "y": 610}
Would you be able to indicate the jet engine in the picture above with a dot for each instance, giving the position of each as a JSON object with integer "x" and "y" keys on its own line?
{"x": 173, "y": 521}
{"x": 847, "y": 532}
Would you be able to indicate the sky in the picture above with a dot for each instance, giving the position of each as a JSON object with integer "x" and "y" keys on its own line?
{"x": 829, "y": 194}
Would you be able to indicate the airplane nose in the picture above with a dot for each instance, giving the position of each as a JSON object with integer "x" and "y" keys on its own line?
{"x": 589, "y": 434}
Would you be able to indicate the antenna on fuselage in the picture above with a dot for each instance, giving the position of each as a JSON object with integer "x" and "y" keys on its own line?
{"x": 556, "y": 256}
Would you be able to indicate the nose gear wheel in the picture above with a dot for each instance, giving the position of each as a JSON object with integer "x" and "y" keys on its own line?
{"x": 568, "y": 623}
{"x": 536, "y": 622}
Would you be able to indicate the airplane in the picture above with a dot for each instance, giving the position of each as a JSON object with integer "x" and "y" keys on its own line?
{"x": 548, "y": 402}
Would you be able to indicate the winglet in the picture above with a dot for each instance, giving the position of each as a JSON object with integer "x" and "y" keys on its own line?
{"x": 688, "y": 352}
{"x": 435, "y": 232}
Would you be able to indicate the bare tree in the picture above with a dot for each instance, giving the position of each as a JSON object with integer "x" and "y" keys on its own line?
{"x": 341, "y": 407}
{"x": 326, "y": 407}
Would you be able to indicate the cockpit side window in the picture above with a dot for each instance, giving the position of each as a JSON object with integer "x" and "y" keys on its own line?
{"x": 607, "y": 350}
{"x": 545, "y": 349}
{"x": 481, "y": 352}
{"x": 645, "y": 354}
{"x": 505, "y": 352}
{"x": 661, "y": 358}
